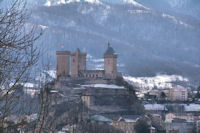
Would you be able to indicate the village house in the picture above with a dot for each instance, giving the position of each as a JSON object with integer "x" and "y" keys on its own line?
{"x": 126, "y": 123}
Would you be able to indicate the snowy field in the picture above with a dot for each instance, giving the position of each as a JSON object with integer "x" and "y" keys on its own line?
{"x": 159, "y": 107}
{"x": 159, "y": 81}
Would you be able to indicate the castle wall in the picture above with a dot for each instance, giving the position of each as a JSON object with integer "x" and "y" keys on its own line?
{"x": 106, "y": 96}
{"x": 84, "y": 80}
{"x": 93, "y": 73}
{"x": 63, "y": 60}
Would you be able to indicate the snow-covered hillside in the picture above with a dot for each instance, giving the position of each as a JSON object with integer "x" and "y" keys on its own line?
{"x": 149, "y": 36}
{"x": 159, "y": 81}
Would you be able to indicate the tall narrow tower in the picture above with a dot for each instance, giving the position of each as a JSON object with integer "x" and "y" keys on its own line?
{"x": 78, "y": 63}
{"x": 110, "y": 62}
{"x": 62, "y": 63}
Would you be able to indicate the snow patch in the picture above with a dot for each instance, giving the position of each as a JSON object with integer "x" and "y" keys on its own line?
{"x": 71, "y": 1}
{"x": 154, "y": 107}
{"x": 94, "y": 1}
{"x": 178, "y": 3}
{"x": 86, "y": 10}
{"x": 61, "y": 2}
{"x": 135, "y": 3}
{"x": 58, "y": 2}
{"x": 138, "y": 11}
{"x": 176, "y": 21}
{"x": 54, "y": 91}
{"x": 52, "y": 73}
{"x": 101, "y": 118}
{"x": 43, "y": 27}
{"x": 99, "y": 67}
{"x": 31, "y": 92}
{"x": 160, "y": 81}
{"x": 46, "y": 76}
{"x": 109, "y": 86}
{"x": 97, "y": 63}
{"x": 29, "y": 85}
{"x": 98, "y": 60}
{"x": 192, "y": 107}
{"x": 187, "y": 108}
{"x": 48, "y": 3}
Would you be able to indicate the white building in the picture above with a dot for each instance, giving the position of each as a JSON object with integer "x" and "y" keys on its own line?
{"x": 178, "y": 93}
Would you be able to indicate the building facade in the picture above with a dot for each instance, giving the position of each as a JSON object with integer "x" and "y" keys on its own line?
{"x": 178, "y": 93}
{"x": 110, "y": 62}
{"x": 63, "y": 61}
{"x": 78, "y": 69}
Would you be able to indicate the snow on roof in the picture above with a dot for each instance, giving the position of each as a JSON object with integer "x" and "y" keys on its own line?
{"x": 81, "y": 88}
{"x": 54, "y": 91}
{"x": 109, "y": 86}
{"x": 100, "y": 118}
{"x": 154, "y": 107}
{"x": 61, "y": 132}
{"x": 130, "y": 118}
{"x": 192, "y": 107}
{"x": 152, "y": 128}
{"x": 187, "y": 108}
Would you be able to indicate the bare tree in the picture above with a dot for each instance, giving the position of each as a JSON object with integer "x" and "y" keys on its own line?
{"x": 17, "y": 56}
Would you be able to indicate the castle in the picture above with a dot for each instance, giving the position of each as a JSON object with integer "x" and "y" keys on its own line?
{"x": 72, "y": 65}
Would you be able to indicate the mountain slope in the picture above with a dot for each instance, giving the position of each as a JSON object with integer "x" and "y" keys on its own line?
{"x": 148, "y": 41}
{"x": 150, "y": 36}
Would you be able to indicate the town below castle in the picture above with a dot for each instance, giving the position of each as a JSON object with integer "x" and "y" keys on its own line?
{"x": 146, "y": 81}
{"x": 106, "y": 93}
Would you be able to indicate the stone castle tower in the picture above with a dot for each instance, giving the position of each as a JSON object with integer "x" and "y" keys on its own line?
{"x": 78, "y": 63}
{"x": 77, "y": 69}
{"x": 63, "y": 61}
{"x": 110, "y": 62}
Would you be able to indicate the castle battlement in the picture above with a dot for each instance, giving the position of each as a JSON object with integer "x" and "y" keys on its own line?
{"x": 63, "y": 52}
{"x": 78, "y": 69}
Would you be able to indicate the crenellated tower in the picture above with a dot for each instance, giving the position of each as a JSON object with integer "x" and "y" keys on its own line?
{"x": 63, "y": 61}
{"x": 78, "y": 63}
{"x": 110, "y": 62}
